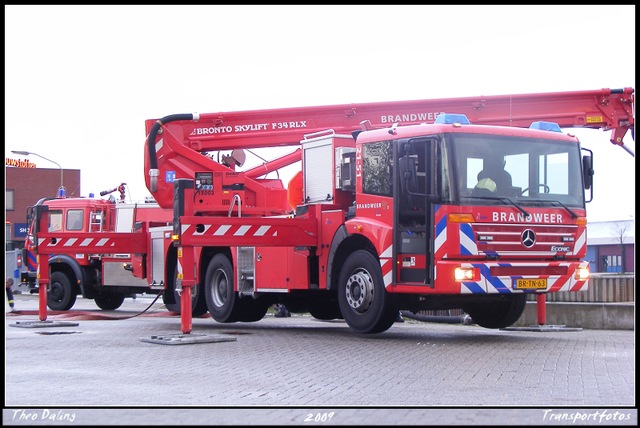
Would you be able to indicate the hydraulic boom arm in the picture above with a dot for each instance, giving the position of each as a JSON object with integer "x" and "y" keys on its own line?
{"x": 175, "y": 143}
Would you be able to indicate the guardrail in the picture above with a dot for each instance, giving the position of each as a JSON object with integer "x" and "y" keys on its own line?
{"x": 603, "y": 288}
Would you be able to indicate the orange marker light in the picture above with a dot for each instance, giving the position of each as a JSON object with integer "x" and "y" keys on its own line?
{"x": 461, "y": 218}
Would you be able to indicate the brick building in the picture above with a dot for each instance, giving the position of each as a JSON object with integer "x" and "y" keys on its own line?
{"x": 611, "y": 246}
{"x": 24, "y": 187}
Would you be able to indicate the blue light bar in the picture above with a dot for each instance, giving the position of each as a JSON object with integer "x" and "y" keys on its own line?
{"x": 449, "y": 118}
{"x": 546, "y": 126}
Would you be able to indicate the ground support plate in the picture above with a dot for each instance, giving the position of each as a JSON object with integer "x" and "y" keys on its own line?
{"x": 543, "y": 328}
{"x": 187, "y": 339}
{"x": 38, "y": 324}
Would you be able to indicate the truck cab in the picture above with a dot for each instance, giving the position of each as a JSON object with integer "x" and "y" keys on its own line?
{"x": 106, "y": 278}
{"x": 66, "y": 215}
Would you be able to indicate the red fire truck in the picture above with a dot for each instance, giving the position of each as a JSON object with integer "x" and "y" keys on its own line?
{"x": 397, "y": 205}
{"x": 105, "y": 277}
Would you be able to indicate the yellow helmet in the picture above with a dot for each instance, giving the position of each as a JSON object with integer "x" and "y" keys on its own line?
{"x": 487, "y": 183}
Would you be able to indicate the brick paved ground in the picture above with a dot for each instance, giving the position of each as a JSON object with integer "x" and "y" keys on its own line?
{"x": 299, "y": 366}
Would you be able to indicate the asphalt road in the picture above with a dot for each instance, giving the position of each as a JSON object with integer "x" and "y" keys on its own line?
{"x": 301, "y": 371}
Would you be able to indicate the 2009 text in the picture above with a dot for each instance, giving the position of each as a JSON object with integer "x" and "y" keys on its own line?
{"x": 319, "y": 417}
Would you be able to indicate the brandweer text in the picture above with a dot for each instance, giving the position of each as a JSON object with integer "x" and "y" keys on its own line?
{"x": 535, "y": 217}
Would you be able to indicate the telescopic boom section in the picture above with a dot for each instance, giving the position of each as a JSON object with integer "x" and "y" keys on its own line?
{"x": 175, "y": 143}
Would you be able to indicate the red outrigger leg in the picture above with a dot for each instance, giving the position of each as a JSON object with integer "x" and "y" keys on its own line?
{"x": 541, "y": 300}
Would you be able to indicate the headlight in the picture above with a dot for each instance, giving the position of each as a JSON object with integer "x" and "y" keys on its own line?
{"x": 466, "y": 274}
{"x": 582, "y": 273}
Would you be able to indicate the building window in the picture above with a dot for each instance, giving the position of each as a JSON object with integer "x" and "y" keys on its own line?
{"x": 8, "y": 200}
{"x": 612, "y": 263}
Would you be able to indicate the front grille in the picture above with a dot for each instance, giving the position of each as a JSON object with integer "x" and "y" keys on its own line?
{"x": 492, "y": 238}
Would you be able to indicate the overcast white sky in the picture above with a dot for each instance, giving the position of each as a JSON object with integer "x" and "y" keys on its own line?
{"x": 81, "y": 80}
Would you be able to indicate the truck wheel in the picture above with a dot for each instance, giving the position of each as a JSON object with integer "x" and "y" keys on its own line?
{"x": 498, "y": 314}
{"x": 251, "y": 310}
{"x": 171, "y": 305}
{"x": 61, "y": 295}
{"x": 198, "y": 304}
{"x": 110, "y": 301}
{"x": 219, "y": 291}
{"x": 364, "y": 302}
{"x": 325, "y": 310}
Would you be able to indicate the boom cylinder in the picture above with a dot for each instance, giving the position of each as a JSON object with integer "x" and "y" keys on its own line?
{"x": 273, "y": 165}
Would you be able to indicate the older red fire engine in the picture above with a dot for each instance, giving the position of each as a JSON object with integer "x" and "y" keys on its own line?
{"x": 105, "y": 277}
{"x": 398, "y": 205}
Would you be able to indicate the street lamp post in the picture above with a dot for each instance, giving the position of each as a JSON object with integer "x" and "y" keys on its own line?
{"x": 61, "y": 190}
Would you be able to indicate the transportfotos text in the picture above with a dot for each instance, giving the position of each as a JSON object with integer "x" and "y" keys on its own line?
{"x": 597, "y": 416}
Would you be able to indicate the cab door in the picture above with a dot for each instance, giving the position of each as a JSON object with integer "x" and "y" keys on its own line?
{"x": 413, "y": 191}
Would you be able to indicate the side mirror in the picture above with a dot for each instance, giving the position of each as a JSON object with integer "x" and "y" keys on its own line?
{"x": 587, "y": 171}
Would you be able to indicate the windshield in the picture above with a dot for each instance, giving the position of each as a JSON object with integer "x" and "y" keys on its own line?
{"x": 527, "y": 171}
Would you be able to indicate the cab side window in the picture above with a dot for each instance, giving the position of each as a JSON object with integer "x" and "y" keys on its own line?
{"x": 74, "y": 219}
{"x": 377, "y": 164}
{"x": 55, "y": 220}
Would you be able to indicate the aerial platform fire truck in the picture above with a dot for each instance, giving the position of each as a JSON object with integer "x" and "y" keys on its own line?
{"x": 468, "y": 203}
{"x": 105, "y": 277}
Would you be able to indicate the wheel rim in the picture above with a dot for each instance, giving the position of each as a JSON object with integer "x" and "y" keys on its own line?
{"x": 219, "y": 289}
{"x": 359, "y": 291}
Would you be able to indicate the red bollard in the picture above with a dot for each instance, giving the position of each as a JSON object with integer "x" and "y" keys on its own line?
{"x": 541, "y": 300}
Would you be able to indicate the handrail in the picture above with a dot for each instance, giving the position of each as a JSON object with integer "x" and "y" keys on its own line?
{"x": 236, "y": 196}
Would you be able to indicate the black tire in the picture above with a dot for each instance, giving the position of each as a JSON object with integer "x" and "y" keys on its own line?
{"x": 327, "y": 310}
{"x": 198, "y": 303}
{"x": 498, "y": 314}
{"x": 61, "y": 295}
{"x": 169, "y": 299}
{"x": 364, "y": 302}
{"x": 250, "y": 310}
{"x": 219, "y": 290}
{"x": 109, "y": 302}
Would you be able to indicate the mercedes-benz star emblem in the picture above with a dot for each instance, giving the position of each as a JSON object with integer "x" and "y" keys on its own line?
{"x": 528, "y": 238}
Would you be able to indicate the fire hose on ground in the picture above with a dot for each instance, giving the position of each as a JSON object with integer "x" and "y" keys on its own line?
{"x": 446, "y": 319}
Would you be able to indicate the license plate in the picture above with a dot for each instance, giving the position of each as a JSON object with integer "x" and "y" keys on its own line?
{"x": 530, "y": 284}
